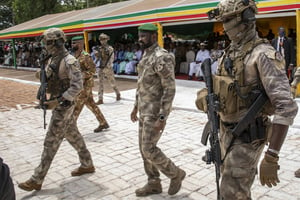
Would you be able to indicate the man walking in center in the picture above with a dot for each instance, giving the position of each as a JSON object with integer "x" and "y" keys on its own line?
{"x": 154, "y": 96}
{"x": 64, "y": 82}
{"x": 85, "y": 97}
{"x": 106, "y": 53}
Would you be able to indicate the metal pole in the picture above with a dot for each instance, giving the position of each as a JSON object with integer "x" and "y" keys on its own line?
{"x": 14, "y": 53}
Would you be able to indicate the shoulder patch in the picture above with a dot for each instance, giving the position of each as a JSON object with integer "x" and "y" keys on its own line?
{"x": 85, "y": 53}
{"x": 278, "y": 56}
{"x": 71, "y": 60}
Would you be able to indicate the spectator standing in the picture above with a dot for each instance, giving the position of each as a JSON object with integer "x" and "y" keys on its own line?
{"x": 285, "y": 47}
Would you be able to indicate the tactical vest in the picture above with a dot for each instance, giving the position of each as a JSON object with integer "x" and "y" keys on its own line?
{"x": 105, "y": 56}
{"x": 56, "y": 86}
{"x": 233, "y": 93}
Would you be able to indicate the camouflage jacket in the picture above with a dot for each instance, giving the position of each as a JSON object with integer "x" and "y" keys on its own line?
{"x": 156, "y": 82}
{"x": 69, "y": 69}
{"x": 88, "y": 68}
{"x": 262, "y": 65}
{"x": 106, "y": 56}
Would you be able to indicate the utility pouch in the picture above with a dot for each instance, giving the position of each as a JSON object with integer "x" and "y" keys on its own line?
{"x": 255, "y": 131}
{"x": 225, "y": 90}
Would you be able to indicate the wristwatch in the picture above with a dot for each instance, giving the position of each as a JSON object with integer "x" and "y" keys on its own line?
{"x": 162, "y": 117}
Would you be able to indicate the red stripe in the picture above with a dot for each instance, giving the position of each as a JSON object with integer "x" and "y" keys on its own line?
{"x": 279, "y": 8}
{"x": 38, "y": 34}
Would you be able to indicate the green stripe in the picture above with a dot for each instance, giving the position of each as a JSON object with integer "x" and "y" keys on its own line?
{"x": 156, "y": 11}
{"x": 44, "y": 28}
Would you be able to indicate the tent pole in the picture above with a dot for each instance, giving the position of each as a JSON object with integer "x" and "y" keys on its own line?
{"x": 160, "y": 39}
{"x": 298, "y": 46}
{"x": 14, "y": 53}
{"x": 86, "y": 41}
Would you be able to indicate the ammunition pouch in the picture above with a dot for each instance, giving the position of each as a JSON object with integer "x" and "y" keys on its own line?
{"x": 201, "y": 101}
{"x": 256, "y": 130}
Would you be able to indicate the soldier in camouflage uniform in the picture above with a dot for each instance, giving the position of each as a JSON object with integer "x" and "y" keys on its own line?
{"x": 250, "y": 65}
{"x": 294, "y": 84}
{"x": 106, "y": 53}
{"x": 154, "y": 97}
{"x": 64, "y": 83}
{"x": 85, "y": 97}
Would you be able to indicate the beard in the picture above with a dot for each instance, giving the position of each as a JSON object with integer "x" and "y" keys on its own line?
{"x": 145, "y": 45}
{"x": 74, "y": 48}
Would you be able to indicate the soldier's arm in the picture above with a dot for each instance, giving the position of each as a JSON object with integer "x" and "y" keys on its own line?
{"x": 165, "y": 69}
{"x": 90, "y": 67}
{"x": 272, "y": 74}
{"x": 75, "y": 76}
{"x": 112, "y": 57}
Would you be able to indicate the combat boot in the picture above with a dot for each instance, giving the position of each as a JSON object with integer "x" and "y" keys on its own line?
{"x": 30, "y": 185}
{"x": 152, "y": 187}
{"x": 118, "y": 98}
{"x": 101, "y": 127}
{"x": 297, "y": 173}
{"x": 100, "y": 101}
{"x": 175, "y": 183}
{"x": 80, "y": 171}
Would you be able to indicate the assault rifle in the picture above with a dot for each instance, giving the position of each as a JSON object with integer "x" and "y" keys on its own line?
{"x": 211, "y": 130}
{"x": 41, "y": 94}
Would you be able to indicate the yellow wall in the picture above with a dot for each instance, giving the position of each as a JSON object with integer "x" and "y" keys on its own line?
{"x": 265, "y": 24}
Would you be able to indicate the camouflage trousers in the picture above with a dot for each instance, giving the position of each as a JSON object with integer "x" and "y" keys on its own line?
{"x": 239, "y": 167}
{"x": 85, "y": 97}
{"x": 154, "y": 159}
{"x": 109, "y": 74}
{"x": 62, "y": 125}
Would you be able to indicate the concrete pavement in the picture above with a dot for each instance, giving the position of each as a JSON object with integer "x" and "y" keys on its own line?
{"x": 119, "y": 167}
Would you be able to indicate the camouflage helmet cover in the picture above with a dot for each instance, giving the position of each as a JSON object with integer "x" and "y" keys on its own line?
{"x": 103, "y": 36}
{"x": 53, "y": 34}
{"x": 228, "y": 9}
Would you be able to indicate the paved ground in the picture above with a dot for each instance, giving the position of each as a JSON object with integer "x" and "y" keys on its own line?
{"x": 119, "y": 169}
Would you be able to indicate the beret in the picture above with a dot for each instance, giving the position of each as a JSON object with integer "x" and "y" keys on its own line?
{"x": 147, "y": 27}
{"x": 79, "y": 37}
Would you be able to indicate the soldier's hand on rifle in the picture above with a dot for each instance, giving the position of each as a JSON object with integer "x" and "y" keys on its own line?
{"x": 51, "y": 104}
{"x": 133, "y": 115}
{"x": 268, "y": 170}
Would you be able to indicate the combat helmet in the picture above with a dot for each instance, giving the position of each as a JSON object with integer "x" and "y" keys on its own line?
{"x": 103, "y": 36}
{"x": 244, "y": 10}
{"x": 53, "y": 35}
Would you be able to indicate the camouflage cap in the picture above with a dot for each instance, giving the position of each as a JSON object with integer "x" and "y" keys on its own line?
{"x": 148, "y": 27}
{"x": 103, "y": 36}
{"x": 79, "y": 37}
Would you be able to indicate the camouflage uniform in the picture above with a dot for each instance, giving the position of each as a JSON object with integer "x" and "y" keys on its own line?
{"x": 106, "y": 70}
{"x": 263, "y": 66}
{"x": 85, "y": 97}
{"x": 295, "y": 82}
{"x": 249, "y": 66}
{"x": 154, "y": 96}
{"x": 64, "y": 82}
{"x": 62, "y": 124}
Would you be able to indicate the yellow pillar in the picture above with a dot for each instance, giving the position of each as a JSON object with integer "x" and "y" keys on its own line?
{"x": 86, "y": 41}
{"x": 160, "y": 39}
{"x": 298, "y": 46}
